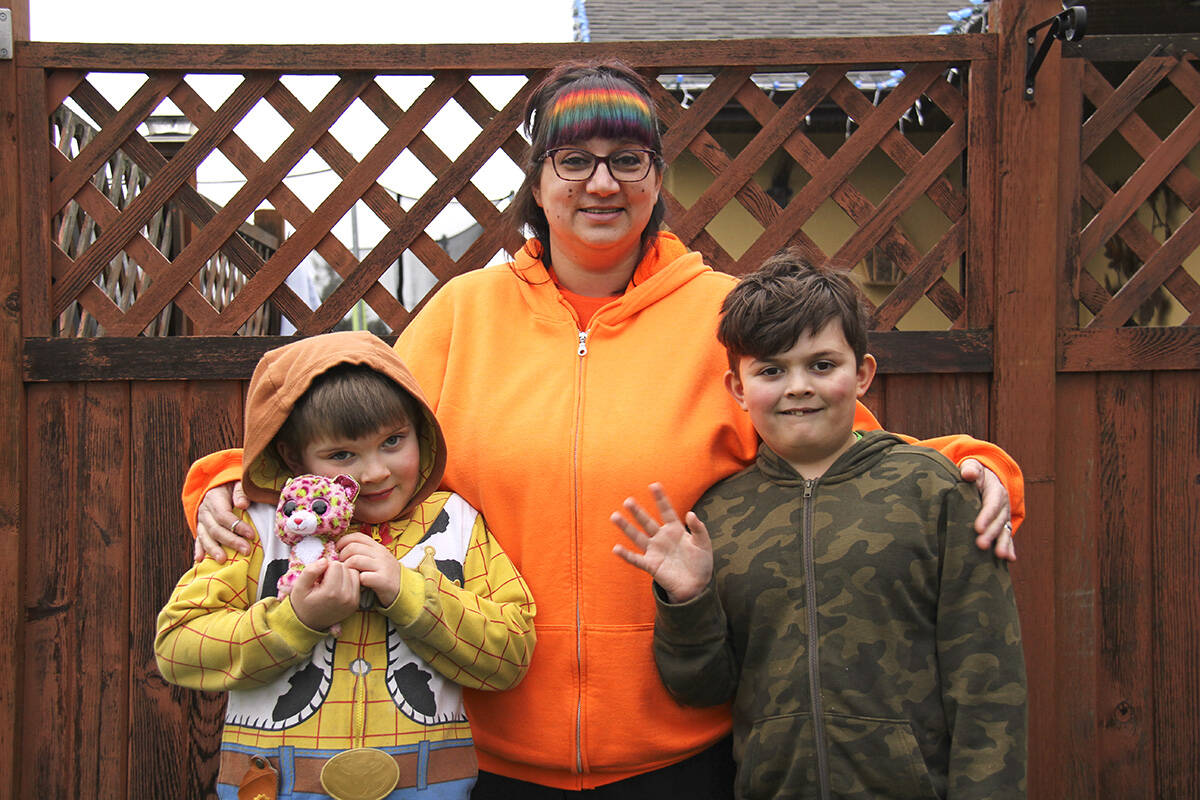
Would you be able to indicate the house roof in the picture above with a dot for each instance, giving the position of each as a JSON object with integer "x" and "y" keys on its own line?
{"x": 640, "y": 20}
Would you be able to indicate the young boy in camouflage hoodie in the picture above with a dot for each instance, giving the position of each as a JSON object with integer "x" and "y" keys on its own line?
{"x": 870, "y": 649}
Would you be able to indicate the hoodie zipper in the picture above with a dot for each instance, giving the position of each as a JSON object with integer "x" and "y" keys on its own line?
{"x": 580, "y": 351}
{"x": 814, "y": 660}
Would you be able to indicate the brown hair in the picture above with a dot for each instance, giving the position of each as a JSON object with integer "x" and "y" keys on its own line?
{"x": 771, "y": 308}
{"x": 524, "y": 210}
{"x": 346, "y": 401}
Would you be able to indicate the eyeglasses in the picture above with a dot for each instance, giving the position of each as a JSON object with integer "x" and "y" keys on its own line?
{"x": 626, "y": 166}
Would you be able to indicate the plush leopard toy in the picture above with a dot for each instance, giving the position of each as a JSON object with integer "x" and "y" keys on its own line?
{"x": 312, "y": 513}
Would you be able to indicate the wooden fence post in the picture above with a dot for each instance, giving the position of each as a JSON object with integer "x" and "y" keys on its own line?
{"x": 12, "y": 400}
{"x": 1023, "y": 388}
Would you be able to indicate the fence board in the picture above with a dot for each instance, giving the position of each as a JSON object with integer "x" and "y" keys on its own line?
{"x": 504, "y": 59}
{"x": 1124, "y": 700}
{"x": 1078, "y": 540}
{"x": 176, "y": 732}
{"x": 1175, "y": 565}
{"x": 76, "y": 601}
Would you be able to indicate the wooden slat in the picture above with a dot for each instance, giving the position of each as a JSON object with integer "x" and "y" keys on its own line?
{"x": 209, "y": 238}
{"x": 1023, "y": 407}
{"x": 923, "y": 275}
{"x": 198, "y": 209}
{"x": 1175, "y": 563}
{"x": 234, "y": 357}
{"x": 449, "y": 183}
{"x": 926, "y": 406}
{"x": 176, "y": 732}
{"x": 740, "y": 171}
{"x": 1125, "y": 687}
{"x": 981, "y": 189}
{"x": 843, "y": 162}
{"x": 1151, "y": 275}
{"x": 49, "y": 637}
{"x": 1113, "y": 107}
{"x": 108, "y": 139}
{"x": 22, "y": 142}
{"x": 1144, "y": 180}
{"x": 1079, "y": 539}
{"x": 152, "y": 198}
{"x": 506, "y": 59}
{"x": 1132, "y": 348}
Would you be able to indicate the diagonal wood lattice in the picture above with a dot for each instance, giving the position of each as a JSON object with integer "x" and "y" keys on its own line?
{"x": 838, "y": 174}
{"x": 1119, "y": 226}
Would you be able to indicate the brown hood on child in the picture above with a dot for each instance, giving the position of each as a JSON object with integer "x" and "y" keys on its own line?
{"x": 285, "y": 373}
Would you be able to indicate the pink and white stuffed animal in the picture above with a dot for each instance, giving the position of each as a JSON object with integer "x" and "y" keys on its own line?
{"x": 313, "y": 511}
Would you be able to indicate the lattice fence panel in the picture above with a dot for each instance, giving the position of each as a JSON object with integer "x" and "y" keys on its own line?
{"x": 857, "y": 171}
{"x": 1139, "y": 191}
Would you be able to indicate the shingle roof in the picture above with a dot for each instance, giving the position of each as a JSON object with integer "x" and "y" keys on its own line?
{"x": 623, "y": 20}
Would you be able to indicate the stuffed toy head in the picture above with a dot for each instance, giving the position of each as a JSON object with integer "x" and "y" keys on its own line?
{"x": 312, "y": 505}
{"x": 313, "y": 512}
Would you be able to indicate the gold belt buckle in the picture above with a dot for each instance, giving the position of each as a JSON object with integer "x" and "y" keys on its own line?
{"x": 363, "y": 773}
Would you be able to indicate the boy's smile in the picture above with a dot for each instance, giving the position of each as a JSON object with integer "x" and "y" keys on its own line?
{"x": 802, "y": 401}
{"x": 386, "y": 463}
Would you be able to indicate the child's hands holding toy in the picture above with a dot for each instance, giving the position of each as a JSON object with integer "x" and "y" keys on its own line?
{"x": 325, "y": 593}
{"x": 378, "y": 570}
{"x": 678, "y": 557}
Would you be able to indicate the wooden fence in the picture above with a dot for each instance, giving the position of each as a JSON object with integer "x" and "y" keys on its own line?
{"x": 1034, "y": 353}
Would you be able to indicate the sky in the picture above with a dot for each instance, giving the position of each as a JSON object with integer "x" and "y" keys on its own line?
{"x": 300, "y": 21}
{"x": 311, "y": 22}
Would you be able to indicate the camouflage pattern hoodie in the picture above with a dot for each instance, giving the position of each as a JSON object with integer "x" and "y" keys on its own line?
{"x": 869, "y": 647}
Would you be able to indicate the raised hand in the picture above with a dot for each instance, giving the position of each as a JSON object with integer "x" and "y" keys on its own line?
{"x": 679, "y": 557}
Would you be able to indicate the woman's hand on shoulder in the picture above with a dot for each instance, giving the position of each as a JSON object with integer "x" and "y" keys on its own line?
{"x": 217, "y": 524}
{"x": 679, "y": 557}
{"x": 993, "y": 524}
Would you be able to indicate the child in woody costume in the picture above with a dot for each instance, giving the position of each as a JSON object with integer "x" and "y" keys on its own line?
{"x": 426, "y": 599}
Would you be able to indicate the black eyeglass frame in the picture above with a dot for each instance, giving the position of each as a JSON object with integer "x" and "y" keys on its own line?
{"x": 655, "y": 158}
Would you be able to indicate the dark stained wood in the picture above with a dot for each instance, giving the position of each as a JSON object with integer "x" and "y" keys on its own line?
{"x": 982, "y": 191}
{"x": 209, "y": 238}
{"x": 164, "y": 185}
{"x": 842, "y": 164}
{"x": 199, "y": 210}
{"x": 1023, "y": 403}
{"x": 928, "y": 406}
{"x": 510, "y": 59}
{"x": 1125, "y": 707}
{"x": 176, "y": 732}
{"x": 1079, "y": 539}
{"x": 220, "y": 358}
{"x": 1175, "y": 563}
{"x": 1148, "y": 176}
{"x": 1116, "y": 47}
{"x": 76, "y": 595}
{"x": 16, "y": 153}
{"x": 114, "y": 133}
{"x": 1118, "y": 349}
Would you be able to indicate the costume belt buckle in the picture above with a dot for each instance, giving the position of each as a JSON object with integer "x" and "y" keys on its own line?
{"x": 363, "y": 773}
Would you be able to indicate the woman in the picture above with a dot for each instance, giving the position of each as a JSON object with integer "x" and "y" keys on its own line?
{"x": 586, "y": 369}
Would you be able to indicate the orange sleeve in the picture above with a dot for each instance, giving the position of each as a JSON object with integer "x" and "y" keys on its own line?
{"x": 959, "y": 448}
{"x": 208, "y": 472}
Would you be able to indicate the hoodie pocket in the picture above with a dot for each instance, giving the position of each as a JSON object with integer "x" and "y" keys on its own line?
{"x": 871, "y": 757}
{"x": 868, "y": 758}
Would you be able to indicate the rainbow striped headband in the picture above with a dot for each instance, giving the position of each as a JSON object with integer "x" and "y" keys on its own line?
{"x": 599, "y": 112}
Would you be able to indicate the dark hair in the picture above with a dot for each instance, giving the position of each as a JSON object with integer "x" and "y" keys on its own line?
{"x": 350, "y": 401}
{"x": 607, "y": 74}
{"x": 771, "y": 308}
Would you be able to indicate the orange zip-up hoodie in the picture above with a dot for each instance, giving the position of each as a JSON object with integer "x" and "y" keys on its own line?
{"x": 548, "y": 430}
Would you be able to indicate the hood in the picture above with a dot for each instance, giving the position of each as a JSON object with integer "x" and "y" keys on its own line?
{"x": 285, "y": 373}
{"x": 873, "y": 446}
{"x": 667, "y": 265}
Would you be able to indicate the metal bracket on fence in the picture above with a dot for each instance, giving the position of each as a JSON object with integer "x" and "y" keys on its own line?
{"x": 1068, "y": 26}
{"x": 6, "y": 43}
